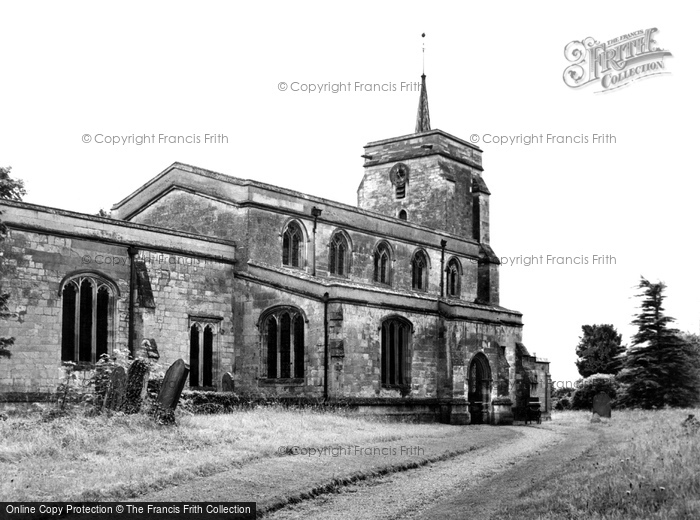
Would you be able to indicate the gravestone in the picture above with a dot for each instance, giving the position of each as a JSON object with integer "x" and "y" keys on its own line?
{"x": 136, "y": 380}
{"x": 170, "y": 391}
{"x": 227, "y": 382}
{"x": 601, "y": 405}
{"x": 114, "y": 397}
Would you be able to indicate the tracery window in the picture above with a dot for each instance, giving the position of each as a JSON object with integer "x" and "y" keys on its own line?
{"x": 339, "y": 252}
{"x": 87, "y": 328}
{"x": 454, "y": 275}
{"x": 419, "y": 268}
{"x": 382, "y": 264}
{"x": 395, "y": 355}
{"x": 292, "y": 243}
{"x": 282, "y": 341}
{"x": 203, "y": 333}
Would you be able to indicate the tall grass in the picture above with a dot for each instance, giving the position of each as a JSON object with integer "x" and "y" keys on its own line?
{"x": 117, "y": 457}
{"x": 645, "y": 465}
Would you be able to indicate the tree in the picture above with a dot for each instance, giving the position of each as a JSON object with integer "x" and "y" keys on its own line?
{"x": 589, "y": 387}
{"x": 10, "y": 189}
{"x": 661, "y": 368}
{"x": 599, "y": 350}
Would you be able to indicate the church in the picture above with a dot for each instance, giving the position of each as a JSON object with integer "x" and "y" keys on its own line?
{"x": 391, "y": 307}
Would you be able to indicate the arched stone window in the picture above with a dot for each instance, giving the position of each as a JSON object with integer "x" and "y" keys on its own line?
{"x": 292, "y": 245}
{"x": 453, "y": 273}
{"x": 396, "y": 352}
{"x": 282, "y": 343}
{"x": 87, "y": 329}
{"x": 419, "y": 268}
{"x": 339, "y": 255}
{"x": 382, "y": 264}
{"x": 403, "y": 215}
{"x": 203, "y": 333}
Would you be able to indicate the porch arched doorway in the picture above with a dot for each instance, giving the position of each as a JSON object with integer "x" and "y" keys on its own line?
{"x": 479, "y": 395}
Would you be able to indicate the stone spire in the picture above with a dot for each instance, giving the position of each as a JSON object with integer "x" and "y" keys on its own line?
{"x": 423, "y": 117}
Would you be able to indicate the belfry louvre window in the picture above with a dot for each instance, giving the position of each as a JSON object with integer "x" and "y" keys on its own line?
{"x": 419, "y": 267}
{"x": 396, "y": 357}
{"x": 338, "y": 252}
{"x": 292, "y": 241}
{"x": 87, "y": 325}
{"x": 382, "y": 264}
{"x": 283, "y": 350}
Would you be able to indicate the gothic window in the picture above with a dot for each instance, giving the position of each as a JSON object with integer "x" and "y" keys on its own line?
{"x": 338, "y": 255}
{"x": 87, "y": 329}
{"x": 419, "y": 267}
{"x": 282, "y": 331}
{"x": 403, "y": 215}
{"x": 395, "y": 355}
{"x": 454, "y": 275}
{"x": 292, "y": 243}
{"x": 382, "y": 264}
{"x": 202, "y": 348}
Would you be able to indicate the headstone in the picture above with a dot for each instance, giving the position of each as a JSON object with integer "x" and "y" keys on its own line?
{"x": 170, "y": 391}
{"x": 114, "y": 398}
{"x": 601, "y": 405}
{"x": 227, "y": 382}
{"x": 136, "y": 381}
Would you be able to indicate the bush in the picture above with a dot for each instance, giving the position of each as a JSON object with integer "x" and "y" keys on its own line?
{"x": 563, "y": 404}
{"x": 590, "y": 386}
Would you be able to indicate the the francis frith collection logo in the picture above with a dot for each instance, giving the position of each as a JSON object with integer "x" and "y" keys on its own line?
{"x": 614, "y": 63}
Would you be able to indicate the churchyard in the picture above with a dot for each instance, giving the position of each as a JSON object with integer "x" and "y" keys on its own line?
{"x": 644, "y": 464}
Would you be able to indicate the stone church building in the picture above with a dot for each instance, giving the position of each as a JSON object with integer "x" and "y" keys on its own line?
{"x": 391, "y": 306}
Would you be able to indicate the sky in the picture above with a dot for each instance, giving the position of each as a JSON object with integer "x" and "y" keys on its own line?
{"x": 84, "y": 81}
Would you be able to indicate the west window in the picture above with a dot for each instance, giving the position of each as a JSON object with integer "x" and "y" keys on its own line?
{"x": 395, "y": 355}
{"x": 283, "y": 348}
{"x": 87, "y": 329}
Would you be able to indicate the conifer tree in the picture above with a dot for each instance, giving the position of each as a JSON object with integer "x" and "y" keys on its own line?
{"x": 660, "y": 368}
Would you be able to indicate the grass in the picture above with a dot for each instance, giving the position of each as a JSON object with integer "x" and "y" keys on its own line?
{"x": 118, "y": 457}
{"x": 646, "y": 465}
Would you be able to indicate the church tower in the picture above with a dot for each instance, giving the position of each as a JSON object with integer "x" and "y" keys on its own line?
{"x": 429, "y": 177}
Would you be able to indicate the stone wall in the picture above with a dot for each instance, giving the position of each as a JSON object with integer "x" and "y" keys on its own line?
{"x": 189, "y": 277}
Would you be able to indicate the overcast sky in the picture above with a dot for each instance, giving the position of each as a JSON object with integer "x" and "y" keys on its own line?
{"x": 191, "y": 69}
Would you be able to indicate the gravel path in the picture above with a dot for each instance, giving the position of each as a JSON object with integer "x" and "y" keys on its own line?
{"x": 457, "y": 488}
{"x": 275, "y": 481}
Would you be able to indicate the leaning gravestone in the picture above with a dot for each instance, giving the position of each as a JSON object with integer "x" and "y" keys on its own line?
{"x": 136, "y": 380}
{"x": 114, "y": 398}
{"x": 601, "y": 405}
{"x": 227, "y": 382}
{"x": 170, "y": 391}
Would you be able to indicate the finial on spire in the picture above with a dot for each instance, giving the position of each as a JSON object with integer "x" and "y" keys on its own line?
{"x": 423, "y": 117}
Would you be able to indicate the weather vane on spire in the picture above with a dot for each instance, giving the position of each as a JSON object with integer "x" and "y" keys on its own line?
{"x": 423, "y": 117}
